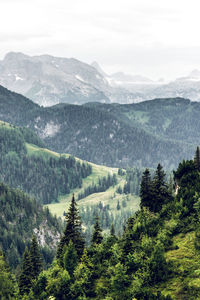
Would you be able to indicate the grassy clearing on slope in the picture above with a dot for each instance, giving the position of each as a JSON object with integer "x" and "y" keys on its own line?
{"x": 184, "y": 282}
{"x": 105, "y": 197}
{"x": 35, "y": 150}
{"x": 108, "y": 197}
{"x": 5, "y": 124}
{"x": 98, "y": 171}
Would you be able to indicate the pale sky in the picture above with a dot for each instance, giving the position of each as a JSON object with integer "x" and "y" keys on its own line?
{"x": 154, "y": 38}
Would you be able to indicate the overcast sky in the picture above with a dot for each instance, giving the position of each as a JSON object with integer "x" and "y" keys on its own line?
{"x": 156, "y": 38}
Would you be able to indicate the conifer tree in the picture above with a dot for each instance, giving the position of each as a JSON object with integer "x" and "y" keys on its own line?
{"x": 83, "y": 287}
{"x": 8, "y": 284}
{"x": 25, "y": 279}
{"x": 35, "y": 256}
{"x": 97, "y": 234}
{"x": 112, "y": 230}
{"x": 197, "y": 159}
{"x": 70, "y": 258}
{"x": 72, "y": 232}
{"x": 118, "y": 205}
{"x": 160, "y": 190}
{"x": 146, "y": 190}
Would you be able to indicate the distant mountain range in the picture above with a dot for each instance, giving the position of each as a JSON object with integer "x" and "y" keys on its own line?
{"x": 49, "y": 80}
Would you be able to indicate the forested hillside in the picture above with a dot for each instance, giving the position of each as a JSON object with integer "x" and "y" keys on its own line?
{"x": 172, "y": 118}
{"x": 20, "y": 217}
{"x": 113, "y": 135}
{"x": 156, "y": 257}
{"x": 45, "y": 176}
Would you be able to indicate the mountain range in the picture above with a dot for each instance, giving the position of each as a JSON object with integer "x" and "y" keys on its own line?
{"x": 49, "y": 80}
{"x": 141, "y": 134}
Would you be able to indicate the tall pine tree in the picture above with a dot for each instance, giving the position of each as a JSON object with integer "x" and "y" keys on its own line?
{"x": 36, "y": 259}
{"x": 25, "y": 278}
{"x": 197, "y": 159}
{"x": 160, "y": 190}
{"x": 73, "y": 232}
{"x": 97, "y": 234}
{"x": 70, "y": 258}
{"x": 146, "y": 190}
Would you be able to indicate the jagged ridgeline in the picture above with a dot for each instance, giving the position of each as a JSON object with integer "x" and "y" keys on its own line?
{"x": 20, "y": 217}
{"x": 45, "y": 175}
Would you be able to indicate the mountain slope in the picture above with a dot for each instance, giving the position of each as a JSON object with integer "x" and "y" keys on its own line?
{"x": 20, "y": 218}
{"x": 49, "y": 80}
{"x": 172, "y": 118}
{"x": 45, "y": 176}
{"x": 97, "y": 133}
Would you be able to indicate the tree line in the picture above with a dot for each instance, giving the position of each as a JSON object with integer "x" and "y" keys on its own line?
{"x": 127, "y": 266}
{"x": 103, "y": 184}
{"x": 44, "y": 177}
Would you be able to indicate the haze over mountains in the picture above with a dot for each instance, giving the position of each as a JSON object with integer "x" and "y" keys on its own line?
{"x": 49, "y": 80}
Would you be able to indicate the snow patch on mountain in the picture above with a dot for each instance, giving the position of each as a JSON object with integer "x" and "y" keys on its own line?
{"x": 17, "y": 77}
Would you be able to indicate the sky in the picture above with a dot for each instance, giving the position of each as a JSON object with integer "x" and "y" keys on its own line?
{"x": 153, "y": 38}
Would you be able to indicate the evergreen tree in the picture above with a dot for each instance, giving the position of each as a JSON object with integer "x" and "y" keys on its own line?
{"x": 25, "y": 279}
{"x": 197, "y": 159}
{"x": 35, "y": 256}
{"x": 146, "y": 190}
{"x": 97, "y": 234}
{"x": 83, "y": 287}
{"x": 160, "y": 190}
{"x": 112, "y": 230}
{"x": 118, "y": 205}
{"x": 72, "y": 232}
{"x": 8, "y": 285}
{"x": 70, "y": 258}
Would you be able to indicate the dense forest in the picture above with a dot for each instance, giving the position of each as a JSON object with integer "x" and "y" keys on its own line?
{"x": 115, "y": 135}
{"x": 44, "y": 177}
{"x": 156, "y": 257}
{"x": 133, "y": 179}
{"x": 20, "y": 217}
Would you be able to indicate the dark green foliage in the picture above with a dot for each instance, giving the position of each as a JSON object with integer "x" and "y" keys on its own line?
{"x": 26, "y": 275}
{"x": 133, "y": 266}
{"x": 97, "y": 233}
{"x": 154, "y": 192}
{"x": 197, "y": 159}
{"x": 157, "y": 265}
{"x": 73, "y": 232}
{"x": 45, "y": 178}
{"x": 162, "y": 129}
{"x": 121, "y": 172}
{"x": 118, "y": 205}
{"x": 70, "y": 258}
{"x": 20, "y": 215}
{"x": 119, "y": 282}
{"x": 133, "y": 178}
{"x": 39, "y": 287}
{"x": 160, "y": 190}
{"x": 146, "y": 190}
{"x": 106, "y": 218}
{"x": 83, "y": 285}
{"x": 8, "y": 286}
{"x": 103, "y": 184}
{"x": 59, "y": 283}
{"x": 30, "y": 137}
{"x": 112, "y": 230}
{"x": 35, "y": 256}
{"x": 188, "y": 179}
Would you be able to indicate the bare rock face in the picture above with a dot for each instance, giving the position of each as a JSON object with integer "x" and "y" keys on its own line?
{"x": 49, "y": 80}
